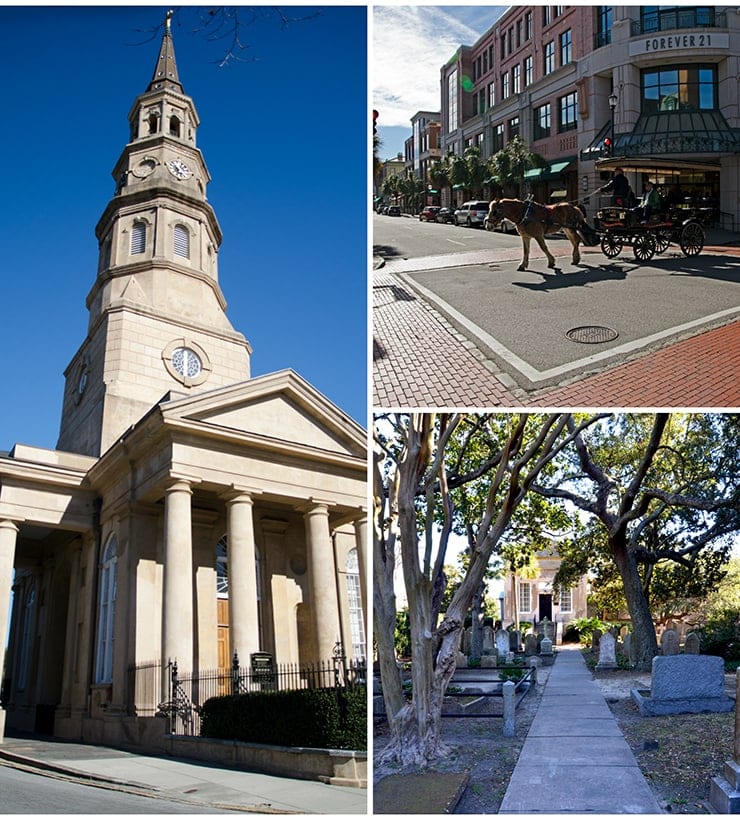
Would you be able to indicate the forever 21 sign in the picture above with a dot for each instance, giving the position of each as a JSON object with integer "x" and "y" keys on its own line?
{"x": 666, "y": 42}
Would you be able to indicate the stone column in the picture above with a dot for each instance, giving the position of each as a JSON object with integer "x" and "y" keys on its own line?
{"x": 322, "y": 581}
{"x": 8, "y": 535}
{"x": 243, "y": 615}
{"x": 177, "y": 591}
{"x": 360, "y": 525}
{"x": 70, "y": 649}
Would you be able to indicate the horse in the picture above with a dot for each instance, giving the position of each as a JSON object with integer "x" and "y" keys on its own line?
{"x": 534, "y": 221}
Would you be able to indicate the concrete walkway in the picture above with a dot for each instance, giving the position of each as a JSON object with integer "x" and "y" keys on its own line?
{"x": 575, "y": 758}
{"x": 191, "y": 782}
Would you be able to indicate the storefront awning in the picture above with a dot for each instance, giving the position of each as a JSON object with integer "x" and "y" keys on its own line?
{"x": 646, "y": 165}
{"x": 554, "y": 169}
{"x": 679, "y": 132}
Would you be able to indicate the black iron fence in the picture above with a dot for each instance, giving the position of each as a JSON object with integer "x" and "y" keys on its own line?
{"x": 187, "y": 692}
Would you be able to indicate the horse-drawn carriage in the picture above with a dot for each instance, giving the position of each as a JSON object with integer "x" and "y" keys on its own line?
{"x": 618, "y": 226}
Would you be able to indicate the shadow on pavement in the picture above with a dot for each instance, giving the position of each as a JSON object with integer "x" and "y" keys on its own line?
{"x": 556, "y": 280}
{"x": 386, "y": 251}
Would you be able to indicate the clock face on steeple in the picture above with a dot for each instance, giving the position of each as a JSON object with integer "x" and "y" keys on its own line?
{"x": 178, "y": 169}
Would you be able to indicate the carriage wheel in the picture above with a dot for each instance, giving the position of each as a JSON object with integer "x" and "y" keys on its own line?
{"x": 643, "y": 246}
{"x": 692, "y": 239}
{"x": 611, "y": 245}
{"x": 662, "y": 241}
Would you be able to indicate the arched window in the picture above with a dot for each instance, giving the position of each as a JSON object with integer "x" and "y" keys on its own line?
{"x": 174, "y": 126}
{"x": 29, "y": 616}
{"x": 182, "y": 241}
{"x": 138, "y": 238}
{"x": 106, "y": 613}
{"x": 356, "y": 616}
{"x": 153, "y": 123}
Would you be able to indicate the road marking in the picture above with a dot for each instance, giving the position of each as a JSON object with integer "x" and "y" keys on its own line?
{"x": 538, "y": 376}
{"x": 455, "y": 242}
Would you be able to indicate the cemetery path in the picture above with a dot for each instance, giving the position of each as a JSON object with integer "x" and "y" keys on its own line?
{"x": 575, "y": 758}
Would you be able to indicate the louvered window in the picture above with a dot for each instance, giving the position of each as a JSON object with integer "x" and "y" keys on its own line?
{"x": 138, "y": 238}
{"x": 182, "y": 241}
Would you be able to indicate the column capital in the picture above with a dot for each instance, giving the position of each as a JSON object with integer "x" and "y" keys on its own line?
{"x": 316, "y": 506}
{"x": 240, "y": 494}
{"x": 8, "y": 524}
{"x": 175, "y": 485}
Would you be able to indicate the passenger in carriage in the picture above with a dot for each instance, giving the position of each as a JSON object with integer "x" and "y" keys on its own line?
{"x": 651, "y": 201}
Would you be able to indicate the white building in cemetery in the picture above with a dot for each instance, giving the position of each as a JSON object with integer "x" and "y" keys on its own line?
{"x": 190, "y": 512}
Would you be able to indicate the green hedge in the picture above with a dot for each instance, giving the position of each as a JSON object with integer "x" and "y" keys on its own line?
{"x": 319, "y": 718}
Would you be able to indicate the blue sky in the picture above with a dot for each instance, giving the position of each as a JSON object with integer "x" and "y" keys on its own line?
{"x": 410, "y": 45}
{"x": 283, "y": 135}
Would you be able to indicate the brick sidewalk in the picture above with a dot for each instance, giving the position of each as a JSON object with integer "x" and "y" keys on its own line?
{"x": 420, "y": 360}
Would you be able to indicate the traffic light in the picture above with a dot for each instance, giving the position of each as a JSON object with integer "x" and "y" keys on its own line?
{"x": 375, "y": 123}
{"x": 607, "y": 147}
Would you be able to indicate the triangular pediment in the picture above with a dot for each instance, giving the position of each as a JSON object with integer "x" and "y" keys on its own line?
{"x": 279, "y": 407}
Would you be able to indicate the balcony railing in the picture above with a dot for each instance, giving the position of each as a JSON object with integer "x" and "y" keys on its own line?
{"x": 677, "y": 18}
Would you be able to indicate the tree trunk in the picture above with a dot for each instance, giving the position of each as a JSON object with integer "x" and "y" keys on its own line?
{"x": 644, "y": 640}
{"x": 476, "y": 630}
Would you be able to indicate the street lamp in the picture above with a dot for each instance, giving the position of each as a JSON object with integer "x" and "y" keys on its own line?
{"x": 501, "y": 604}
{"x": 613, "y": 100}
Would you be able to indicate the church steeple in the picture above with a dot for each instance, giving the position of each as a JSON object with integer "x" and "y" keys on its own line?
{"x": 157, "y": 313}
{"x": 165, "y": 71}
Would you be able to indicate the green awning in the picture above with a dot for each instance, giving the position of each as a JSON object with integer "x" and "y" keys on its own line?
{"x": 457, "y": 187}
{"x": 558, "y": 167}
{"x": 534, "y": 173}
{"x": 552, "y": 170}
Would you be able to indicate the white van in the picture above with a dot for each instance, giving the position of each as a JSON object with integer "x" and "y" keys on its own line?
{"x": 471, "y": 213}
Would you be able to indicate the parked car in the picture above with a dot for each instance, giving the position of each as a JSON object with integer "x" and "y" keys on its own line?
{"x": 471, "y": 213}
{"x": 446, "y": 215}
{"x": 506, "y": 226}
{"x": 394, "y": 210}
{"x": 429, "y": 214}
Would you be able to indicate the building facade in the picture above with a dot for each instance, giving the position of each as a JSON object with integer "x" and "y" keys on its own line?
{"x": 190, "y": 511}
{"x": 655, "y": 81}
{"x": 422, "y": 149}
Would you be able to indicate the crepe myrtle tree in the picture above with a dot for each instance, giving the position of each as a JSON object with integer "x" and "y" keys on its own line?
{"x": 664, "y": 490}
{"x": 417, "y": 468}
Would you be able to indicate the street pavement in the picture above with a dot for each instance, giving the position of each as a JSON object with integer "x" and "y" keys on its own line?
{"x": 575, "y": 758}
{"x": 183, "y": 781}
{"x": 464, "y": 331}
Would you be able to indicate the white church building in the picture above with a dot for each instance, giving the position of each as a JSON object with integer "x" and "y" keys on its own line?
{"x": 190, "y": 511}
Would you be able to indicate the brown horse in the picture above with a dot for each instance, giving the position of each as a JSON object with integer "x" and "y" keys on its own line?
{"x": 534, "y": 221}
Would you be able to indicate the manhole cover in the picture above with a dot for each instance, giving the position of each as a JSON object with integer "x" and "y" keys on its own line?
{"x": 591, "y": 334}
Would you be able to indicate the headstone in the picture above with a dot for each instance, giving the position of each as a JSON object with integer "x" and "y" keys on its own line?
{"x": 547, "y": 630}
{"x": 724, "y": 791}
{"x": 515, "y": 640}
{"x": 691, "y": 644}
{"x": 467, "y": 639}
{"x": 546, "y": 647}
{"x": 461, "y": 661}
{"x": 530, "y": 645}
{"x": 669, "y": 642}
{"x": 607, "y": 652}
{"x": 502, "y": 642}
{"x": 488, "y": 644}
{"x": 685, "y": 684}
{"x": 509, "y": 657}
{"x": 629, "y": 649}
{"x": 488, "y": 662}
{"x": 595, "y": 638}
{"x": 509, "y": 707}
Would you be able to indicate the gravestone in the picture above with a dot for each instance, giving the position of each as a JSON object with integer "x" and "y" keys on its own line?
{"x": 546, "y": 647}
{"x": 488, "y": 644}
{"x": 547, "y": 629}
{"x": 595, "y": 638}
{"x": 691, "y": 644}
{"x": 607, "y": 652}
{"x": 502, "y": 642}
{"x": 515, "y": 640}
{"x": 684, "y": 684}
{"x": 467, "y": 640}
{"x": 669, "y": 642}
{"x": 724, "y": 791}
{"x": 629, "y": 647}
{"x": 530, "y": 645}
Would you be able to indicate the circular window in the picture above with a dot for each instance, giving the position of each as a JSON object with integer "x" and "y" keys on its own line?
{"x": 186, "y": 362}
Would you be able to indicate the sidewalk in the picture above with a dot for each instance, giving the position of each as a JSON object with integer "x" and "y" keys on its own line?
{"x": 575, "y": 758}
{"x": 181, "y": 780}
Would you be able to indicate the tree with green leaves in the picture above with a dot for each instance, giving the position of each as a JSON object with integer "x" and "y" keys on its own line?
{"x": 664, "y": 491}
{"x": 439, "y": 174}
{"x": 510, "y": 164}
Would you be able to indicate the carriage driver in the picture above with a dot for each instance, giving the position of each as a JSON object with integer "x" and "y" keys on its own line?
{"x": 619, "y": 188}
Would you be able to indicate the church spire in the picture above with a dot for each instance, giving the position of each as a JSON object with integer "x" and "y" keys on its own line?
{"x": 165, "y": 71}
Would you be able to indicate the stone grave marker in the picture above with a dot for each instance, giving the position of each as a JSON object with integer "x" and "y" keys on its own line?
{"x": 595, "y": 638}
{"x": 530, "y": 645}
{"x": 669, "y": 642}
{"x": 502, "y": 642}
{"x": 691, "y": 644}
{"x": 488, "y": 643}
{"x": 515, "y": 640}
{"x": 684, "y": 684}
{"x": 607, "y": 652}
